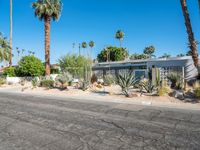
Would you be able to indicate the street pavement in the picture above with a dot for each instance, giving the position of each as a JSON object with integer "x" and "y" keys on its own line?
{"x": 49, "y": 123}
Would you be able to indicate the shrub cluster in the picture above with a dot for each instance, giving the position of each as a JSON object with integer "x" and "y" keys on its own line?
{"x": 47, "y": 83}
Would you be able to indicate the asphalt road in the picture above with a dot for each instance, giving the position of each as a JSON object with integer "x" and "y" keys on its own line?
{"x": 41, "y": 123}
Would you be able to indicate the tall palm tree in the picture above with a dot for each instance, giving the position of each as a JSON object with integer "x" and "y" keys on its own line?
{"x": 91, "y": 44}
{"x": 4, "y": 51}
{"x": 192, "y": 41}
{"x": 47, "y": 10}
{"x": 84, "y": 46}
{"x": 120, "y": 36}
{"x": 10, "y": 62}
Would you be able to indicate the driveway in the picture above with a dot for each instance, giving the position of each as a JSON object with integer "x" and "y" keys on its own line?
{"x": 46, "y": 123}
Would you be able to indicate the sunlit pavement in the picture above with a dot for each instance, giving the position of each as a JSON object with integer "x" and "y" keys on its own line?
{"x": 33, "y": 122}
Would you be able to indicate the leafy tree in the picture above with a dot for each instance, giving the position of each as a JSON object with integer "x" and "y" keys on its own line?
{"x": 47, "y": 10}
{"x": 138, "y": 56}
{"x": 9, "y": 72}
{"x": 180, "y": 55}
{"x": 165, "y": 55}
{"x": 30, "y": 66}
{"x": 189, "y": 53}
{"x": 149, "y": 51}
{"x": 120, "y": 36}
{"x": 112, "y": 54}
{"x": 74, "y": 64}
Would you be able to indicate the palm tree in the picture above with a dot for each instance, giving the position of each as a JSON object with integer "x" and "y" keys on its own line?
{"x": 192, "y": 41}
{"x": 4, "y": 51}
{"x": 149, "y": 51}
{"x": 84, "y": 46}
{"x": 47, "y": 10}
{"x": 18, "y": 53}
{"x": 120, "y": 36}
{"x": 10, "y": 62}
{"x": 91, "y": 44}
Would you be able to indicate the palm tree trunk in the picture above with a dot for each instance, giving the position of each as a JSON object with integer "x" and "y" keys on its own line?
{"x": 47, "y": 45}
{"x": 192, "y": 42}
{"x": 120, "y": 42}
{"x": 10, "y": 61}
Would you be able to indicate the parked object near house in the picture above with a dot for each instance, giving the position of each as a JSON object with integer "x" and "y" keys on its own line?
{"x": 143, "y": 68}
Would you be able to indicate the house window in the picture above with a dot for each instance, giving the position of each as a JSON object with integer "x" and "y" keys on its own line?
{"x": 139, "y": 74}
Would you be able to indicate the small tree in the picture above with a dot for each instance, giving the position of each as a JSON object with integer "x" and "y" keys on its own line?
{"x": 149, "y": 51}
{"x": 30, "y": 66}
{"x": 74, "y": 64}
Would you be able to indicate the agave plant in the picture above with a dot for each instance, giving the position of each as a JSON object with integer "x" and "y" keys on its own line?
{"x": 176, "y": 80}
{"x": 63, "y": 78}
{"x": 148, "y": 86}
{"x": 126, "y": 81}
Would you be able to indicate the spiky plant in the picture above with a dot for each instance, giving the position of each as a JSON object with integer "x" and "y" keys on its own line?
{"x": 126, "y": 81}
{"x": 148, "y": 86}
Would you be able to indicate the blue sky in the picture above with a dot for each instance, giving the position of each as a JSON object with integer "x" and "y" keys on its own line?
{"x": 156, "y": 22}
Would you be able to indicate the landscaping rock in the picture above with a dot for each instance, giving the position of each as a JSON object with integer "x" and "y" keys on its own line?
{"x": 179, "y": 94}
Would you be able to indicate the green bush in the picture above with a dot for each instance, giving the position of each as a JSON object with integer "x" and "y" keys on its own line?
{"x": 30, "y": 66}
{"x": 197, "y": 92}
{"x": 10, "y": 72}
{"x": 55, "y": 71}
{"x": 109, "y": 80}
{"x": 2, "y": 81}
{"x": 35, "y": 82}
{"x": 76, "y": 65}
{"x": 48, "y": 83}
{"x": 163, "y": 91}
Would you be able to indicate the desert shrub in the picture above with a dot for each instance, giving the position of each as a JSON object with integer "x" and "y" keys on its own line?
{"x": 196, "y": 84}
{"x": 126, "y": 81}
{"x": 148, "y": 86}
{"x": 30, "y": 66}
{"x": 48, "y": 83}
{"x": 94, "y": 78}
{"x": 10, "y": 72}
{"x": 197, "y": 92}
{"x": 176, "y": 80}
{"x": 55, "y": 71}
{"x": 75, "y": 65}
{"x": 163, "y": 91}
{"x": 2, "y": 81}
{"x": 35, "y": 82}
{"x": 64, "y": 78}
{"x": 109, "y": 80}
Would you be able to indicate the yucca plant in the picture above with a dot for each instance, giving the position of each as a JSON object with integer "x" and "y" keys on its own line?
{"x": 126, "y": 81}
